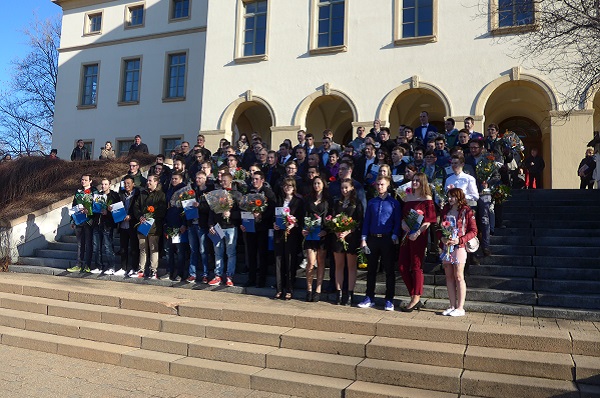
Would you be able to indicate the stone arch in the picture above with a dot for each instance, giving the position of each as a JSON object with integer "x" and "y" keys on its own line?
{"x": 385, "y": 107}
{"x": 299, "y": 118}
{"x": 514, "y": 75}
{"x": 247, "y": 100}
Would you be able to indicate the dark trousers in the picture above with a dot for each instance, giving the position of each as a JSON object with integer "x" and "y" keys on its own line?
{"x": 257, "y": 246}
{"x": 482, "y": 216}
{"x": 534, "y": 178}
{"x": 130, "y": 249}
{"x": 382, "y": 249}
{"x": 586, "y": 183}
{"x": 176, "y": 257}
{"x": 84, "y": 233}
{"x": 286, "y": 262}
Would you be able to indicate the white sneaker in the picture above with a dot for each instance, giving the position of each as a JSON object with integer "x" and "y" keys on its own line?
{"x": 110, "y": 271}
{"x": 120, "y": 272}
{"x": 457, "y": 312}
{"x": 448, "y": 311}
{"x": 131, "y": 273}
{"x": 96, "y": 271}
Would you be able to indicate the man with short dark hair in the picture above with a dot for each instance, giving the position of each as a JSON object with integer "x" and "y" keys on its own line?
{"x": 450, "y": 132}
{"x": 329, "y": 134}
{"x": 138, "y": 146}
{"x": 359, "y": 142}
{"x": 136, "y": 174}
{"x": 469, "y": 126}
{"x": 425, "y": 131}
{"x": 273, "y": 170}
{"x": 284, "y": 153}
{"x": 80, "y": 152}
{"x": 102, "y": 234}
{"x": 130, "y": 249}
{"x": 84, "y": 231}
{"x": 200, "y": 140}
{"x": 310, "y": 144}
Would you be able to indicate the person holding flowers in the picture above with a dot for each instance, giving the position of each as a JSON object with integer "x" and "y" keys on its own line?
{"x": 229, "y": 221}
{"x": 288, "y": 239}
{"x": 350, "y": 211}
{"x": 412, "y": 249}
{"x": 454, "y": 264}
{"x": 83, "y": 231}
{"x": 198, "y": 228}
{"x": 316, "y": 209}
{"x": 257, "y": 243}
{"x": 175, "y": 228}
{"x": 103, "y": 228}
{"x": 128, "y": 241}
{"x": 151, "y": 203}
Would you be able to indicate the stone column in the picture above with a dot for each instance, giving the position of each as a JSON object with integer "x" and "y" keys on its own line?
{"x": 280, "y": 133}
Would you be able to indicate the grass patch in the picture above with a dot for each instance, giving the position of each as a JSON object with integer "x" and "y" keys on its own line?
{"x": 32, "y": 183}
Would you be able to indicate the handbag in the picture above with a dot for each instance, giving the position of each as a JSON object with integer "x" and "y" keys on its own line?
{"x": 472, "y": 245}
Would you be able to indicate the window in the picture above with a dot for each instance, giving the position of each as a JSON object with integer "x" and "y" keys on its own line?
{"x": 176, "y": 76}
{"x": 331, "y": 23}
{"x": 93, "y": 23}
{"x": 89, "y": 85}
{"x": 169, "y": 144}
{"x": 130, "y": 85}
{"x": 417, "y": 18}
{"x": 180, "y": 9}
{"x": 515, "y": 13}
{"x": 122, "y": 147}
{"x": 255, "y": 27}
{"x": 135, "y": 16}
{"x": 416, "y": 21}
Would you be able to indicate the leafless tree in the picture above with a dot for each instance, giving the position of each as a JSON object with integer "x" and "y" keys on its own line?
{"x": 27, "y": 105}
{"x": 563, "y": 41}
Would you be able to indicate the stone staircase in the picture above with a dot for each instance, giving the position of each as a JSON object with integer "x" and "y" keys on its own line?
{"x": 545, "y": 263}
{"x": 295, "y": 348}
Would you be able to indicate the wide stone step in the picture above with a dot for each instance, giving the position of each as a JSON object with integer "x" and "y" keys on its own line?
{"x": 550, "y": 202}
{"x": 492, "y": 295}
{"x": 550, "y": 211}
{"x": 567, "y": 223}
{"x": 583, "y": 274}
{"x": 567, "y": 241}
{"x": 510, "y": 240}
{"x": 34, "y": 265}
{"x": 566, "y": 232}
{"x": 73, "y": 239}
{"x": 502, "y": 271}
{"x": 492, "y": 282}
{"x": 507, "y": 259}
{"x": 57, "y": 254}
{"x": 484, "y": 307}
{"x": 513, "y": 250}
{"x": 567, "y": 251}
{"x": 496, "y": 385}
{"x": 62, "y": 246}
{"x": 580, "y": 216}
{"x": 581, "y": 301}
{"x": 566, "y": 286}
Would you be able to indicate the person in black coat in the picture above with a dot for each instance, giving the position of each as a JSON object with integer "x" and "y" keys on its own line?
{"x": 103, "y": 228}
{"x": 127, "y": 233}
{"x": 586, "y": 169}
{"x": 288, "y": 241}
{"x": 174, "y": 220}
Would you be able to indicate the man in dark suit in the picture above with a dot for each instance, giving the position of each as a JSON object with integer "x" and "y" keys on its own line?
{"x": 138, "y": 146}
{"x": 425, "y": 131}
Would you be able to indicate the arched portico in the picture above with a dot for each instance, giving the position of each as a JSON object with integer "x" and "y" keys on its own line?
{"x": 248, "y": 114}
{"x": 403, "y": 104}
{"x": 327, "y": 109}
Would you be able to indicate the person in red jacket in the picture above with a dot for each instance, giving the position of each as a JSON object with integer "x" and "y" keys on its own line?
{"x": 454, "y": 266}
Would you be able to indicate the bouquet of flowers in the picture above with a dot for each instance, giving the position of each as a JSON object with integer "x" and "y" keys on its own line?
{"x": 312, "y": 224}
{"x": 440, "y": 196}
{"x": 85, "y": 199}
{"x": 403, "y": 191}
{"x": 513, "y": 142}
{"x": 501, "y": 193}
{"x": 362, "y": 258}
{"x": 254, "y": 203}
{"x": 100, "y": 203}
{"x": 340, "y": 223}
{"x": 413, "y": 219}
{"x": 486, "y": 168}
{"x": 239, "y": 174}
{"x": 449, "y": 231}
{"x": 171, "y": 232}
{"x": 185, "y": 195}
{"x": 219, "y": 201}
{"x": 289, "y": 221}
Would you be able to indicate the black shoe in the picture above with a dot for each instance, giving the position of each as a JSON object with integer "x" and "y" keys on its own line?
{"x": 309, "y": 296}
{"x": 316, "y": 297}
{"x": 343, "y": 300}
{"x": 411, "y": 309}
{"x": 350, "y": 300}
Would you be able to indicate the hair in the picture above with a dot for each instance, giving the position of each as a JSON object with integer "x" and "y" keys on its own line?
{"x": 153, "y": 177}
{"x": 177, "y": 174}
{"x": 460, "y": 158}
{"x": 226, "y": 175}
{"x": 301, "y": 148}
{"x": 135, "y": 161}
{"x": 386, "y": 155}
{"x": 459, "y": 195}
{"x": 451, "y": 120}
{"x": 260, "y": 174}
{"x": 419, "y": 148}
{"x": 352, "y": 192}
{"x": 493, "y": 126}
{"x": 425, "y": 112}
{"x": 160, "y": 155}
{"x": 327, "y": 132}
{"x": 386, "y": 166}
{"x": 289, "y": 181}
{"x": 244, "y": 135}
{"x": 380, "y": 177}
{"x": 478, "y": 142}
{"x": 430, "y": 152}
{"x": 200, "y": 172}
{"x": 128, "y": 177}
{"x": 290, "y": 163}
{"x": 200, "y": 136}
{"x": 309, "y": 135}
{"x": 325, "y": 194}
{"x": 399, "y": 148}
{"x": 386, "y": 129}
{"x": 54, "y": 151}
{"x": 348, "y": 163}
{"x": 334, "y": 152}
{"x": 233, "y": 157}
{"x": 469, "y": 118}
{"x": 440, "y": 138}
{"x": 424, "y": 183}
{"x": 285, "y": 145}
{"x": 137, "y": 136}
{"x": 408, "y": 128}
{"x": 86, "y": 175}
{"x": 590, "y": 148}
{"x": 411, "y": 167}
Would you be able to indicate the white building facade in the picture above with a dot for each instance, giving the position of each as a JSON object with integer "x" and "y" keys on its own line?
{"x": 275, "y": 67}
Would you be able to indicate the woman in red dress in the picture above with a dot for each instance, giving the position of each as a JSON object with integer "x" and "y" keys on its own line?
{"x": 412, "y": 250}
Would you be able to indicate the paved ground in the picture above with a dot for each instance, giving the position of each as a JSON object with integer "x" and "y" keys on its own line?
{"x": 27, "y": 373}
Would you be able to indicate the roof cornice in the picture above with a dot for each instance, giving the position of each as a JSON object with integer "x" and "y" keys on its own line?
{"x": 73, "y": 4}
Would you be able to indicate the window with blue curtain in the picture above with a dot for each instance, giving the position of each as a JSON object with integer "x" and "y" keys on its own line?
{"x": 515, "y": 13}
{"x": 417, "y": 18}
{"x": 331, "y": 23}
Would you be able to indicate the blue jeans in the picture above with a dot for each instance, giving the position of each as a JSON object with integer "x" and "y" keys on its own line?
{"x": 102, "y": 246}
{"x": 226, "y": 245}
{"x": 197, "y": 237}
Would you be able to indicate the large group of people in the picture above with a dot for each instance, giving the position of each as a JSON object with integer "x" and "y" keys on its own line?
{"x": 293, "y": 202}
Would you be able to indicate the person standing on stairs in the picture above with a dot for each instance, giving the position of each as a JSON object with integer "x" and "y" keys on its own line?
{"x": 466, "y": 226}
{"x": 84, "y": 231}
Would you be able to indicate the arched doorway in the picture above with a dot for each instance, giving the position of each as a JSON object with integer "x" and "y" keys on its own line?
{"x": 410, "y": 103}
{"x": 596, "y": 104}
{"x": 523, "y": 107}
{"x": 250, "y": 117}
{"x": 330, "y": 112}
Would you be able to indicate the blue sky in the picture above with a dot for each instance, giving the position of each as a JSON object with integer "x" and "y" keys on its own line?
{"x": 15, "y": 16}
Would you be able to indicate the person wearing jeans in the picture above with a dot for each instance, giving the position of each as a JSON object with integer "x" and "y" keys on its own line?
{"x": 229, "y": 222}
{"x": 198, "y": 229}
